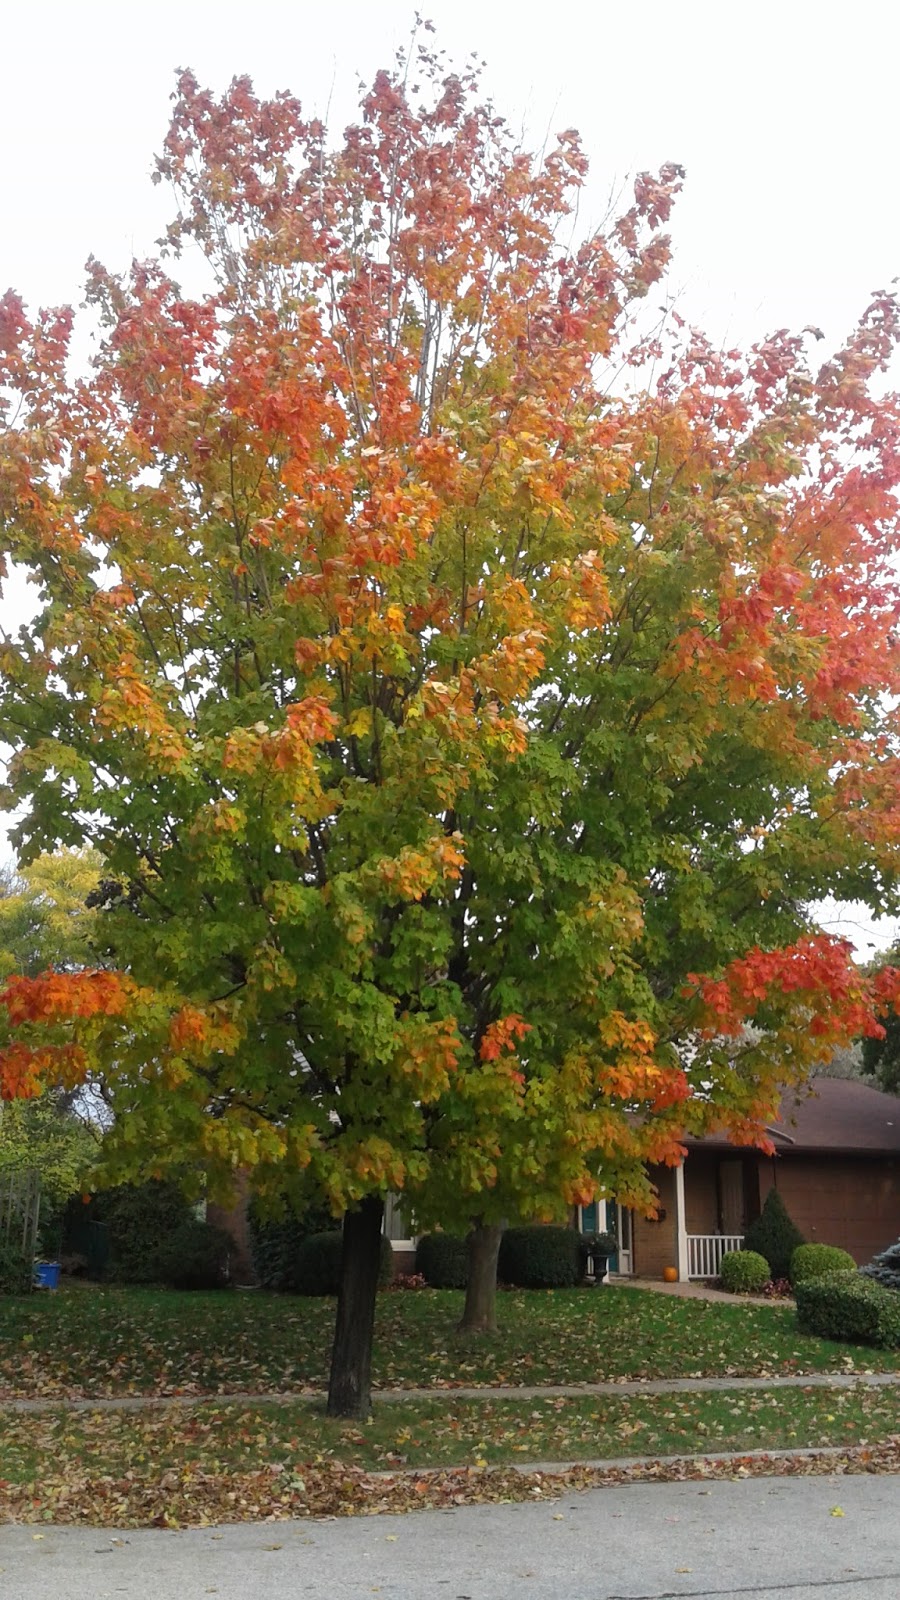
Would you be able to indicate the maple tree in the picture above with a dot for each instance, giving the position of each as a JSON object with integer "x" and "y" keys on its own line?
{"x": 468, "y": 680}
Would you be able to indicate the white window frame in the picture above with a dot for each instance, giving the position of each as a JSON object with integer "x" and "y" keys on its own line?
{"x": 391, "y": 1204}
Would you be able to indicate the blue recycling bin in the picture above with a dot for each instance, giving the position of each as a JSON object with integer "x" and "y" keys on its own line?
{"x": 46, "y": 1275}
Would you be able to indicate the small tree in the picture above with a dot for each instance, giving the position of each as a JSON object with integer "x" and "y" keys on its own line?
{"x": 774, "y": 1236}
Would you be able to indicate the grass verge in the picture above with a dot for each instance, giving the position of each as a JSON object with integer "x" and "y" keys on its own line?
{"x": 197, "y": 1464}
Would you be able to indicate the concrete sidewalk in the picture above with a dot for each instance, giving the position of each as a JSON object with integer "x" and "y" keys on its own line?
{"x": 697, "y": 1291}
{"x": 615, "y": 1388}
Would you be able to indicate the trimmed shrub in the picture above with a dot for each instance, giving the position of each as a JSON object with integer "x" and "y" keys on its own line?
{"x": 849, "y": 1306}
{"x": 318, "y": 1267}
{"x": 540, "y": 1258}
{"x": 275, "y": 1242}
{"x": 774, "y": 1236}
{"x": 744, "y": 1272}
{"x": 195, "y": 1256}
{"x": 885, "y": 1268}
{"x": 15, "y": 1271}
{"x": 443, "y": 1260}
{"x": 818, "y": 1261}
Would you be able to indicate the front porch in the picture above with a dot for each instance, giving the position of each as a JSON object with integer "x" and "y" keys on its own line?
{"x": 705, "y": 1206}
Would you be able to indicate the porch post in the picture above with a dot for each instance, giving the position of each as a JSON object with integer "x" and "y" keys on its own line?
{"x": 681, "y": 1225}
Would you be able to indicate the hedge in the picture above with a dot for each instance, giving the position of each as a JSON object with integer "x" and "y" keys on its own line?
{"x": 849, "y": 1306}
{"x": 276, "y": 1240}
{"x": 540, "y": 1258}
{"x": 818, "y": 1261}
{"x": 744, "y": 1272}
{"x": 138, "y": 1218}
{"x": 318, "y": 1268}
{"x": 195, "y": 1256}
{"x": 443, "y": 1260}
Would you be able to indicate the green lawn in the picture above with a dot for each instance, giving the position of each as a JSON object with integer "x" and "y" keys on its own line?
{"x": 97, "y": 1342}
{"x": 196, "y": 1463}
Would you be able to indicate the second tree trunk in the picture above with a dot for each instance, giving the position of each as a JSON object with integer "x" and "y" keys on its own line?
{"x": 480, "y": 1310}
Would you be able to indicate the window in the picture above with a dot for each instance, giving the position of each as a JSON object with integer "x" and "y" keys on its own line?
{"x": 397, "y": 1226}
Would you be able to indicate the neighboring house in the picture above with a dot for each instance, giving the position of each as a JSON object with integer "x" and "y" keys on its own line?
{"x": 836, "y": 1166}
{"x": 235, "y": 1220}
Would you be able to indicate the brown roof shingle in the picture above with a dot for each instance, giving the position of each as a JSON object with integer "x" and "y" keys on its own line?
{"x": 838, "y": 1114}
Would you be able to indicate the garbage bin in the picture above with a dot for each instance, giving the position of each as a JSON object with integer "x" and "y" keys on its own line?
{"x": 46, "y": 1274}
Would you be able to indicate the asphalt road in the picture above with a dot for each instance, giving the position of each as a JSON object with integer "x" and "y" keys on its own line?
{"x": 759, "y": 1539}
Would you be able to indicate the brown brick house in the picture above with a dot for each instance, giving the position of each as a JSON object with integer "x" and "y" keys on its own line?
{"x": 836, "y": 1165}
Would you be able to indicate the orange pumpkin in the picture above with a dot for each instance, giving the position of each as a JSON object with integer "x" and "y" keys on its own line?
{"x": 670, "y": 1274}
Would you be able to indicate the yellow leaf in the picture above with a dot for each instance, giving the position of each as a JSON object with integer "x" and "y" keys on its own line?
{"x": 361, "y": 722}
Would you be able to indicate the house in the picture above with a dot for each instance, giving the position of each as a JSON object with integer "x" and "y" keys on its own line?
{"x": 836, "y": 1166}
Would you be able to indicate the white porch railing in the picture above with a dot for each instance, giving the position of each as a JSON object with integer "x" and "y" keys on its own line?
{"x": 705, "y": 1252}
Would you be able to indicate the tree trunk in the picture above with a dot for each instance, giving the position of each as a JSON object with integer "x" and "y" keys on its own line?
{"x": 480, "y": 1310}
{"x": 349, "y": 1388}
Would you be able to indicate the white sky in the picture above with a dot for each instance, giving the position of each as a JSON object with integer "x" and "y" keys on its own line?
{"x": 784, "y": 114}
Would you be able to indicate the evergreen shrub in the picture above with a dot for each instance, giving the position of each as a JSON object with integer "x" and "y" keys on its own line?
{"x": 139, "y": 1219}
{"x": 195, "y": 1256}
{"x": 275, "y": 1242}
{"x": 885, "y": 1268}
{"x": 774, "y": 1236}
{"x": 818, "y": 1261}
{"x": 540, "y": 1258}
{"x": 318, "y": 1269}
{"x": 443, "y": 1260}
{"x": 744, "y": 1272}
{"x": 849, "y": 1306}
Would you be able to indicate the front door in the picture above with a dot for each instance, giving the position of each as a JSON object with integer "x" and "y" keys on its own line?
{"x": 618, "y": 1221}
{"x": 731, "y": 1197}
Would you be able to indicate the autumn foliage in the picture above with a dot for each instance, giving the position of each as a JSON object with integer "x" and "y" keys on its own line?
{"x": 470, "y": 676}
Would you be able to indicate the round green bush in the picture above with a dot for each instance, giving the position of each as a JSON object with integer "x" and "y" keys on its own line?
{"x": 443, "y": 1260}
{"x": 318, "y": 1268}
{"x": 744, "y": 1272}
{"x": 195, "y": 1256}
{"x": 819, "y": 1261}
{"x": 540, "y": 1258}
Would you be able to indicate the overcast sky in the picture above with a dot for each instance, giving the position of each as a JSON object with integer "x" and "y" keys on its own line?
{"x": 784, "y": 115}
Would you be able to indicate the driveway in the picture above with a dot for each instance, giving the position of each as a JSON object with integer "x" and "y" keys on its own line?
{"x": 759, "y": 1539}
